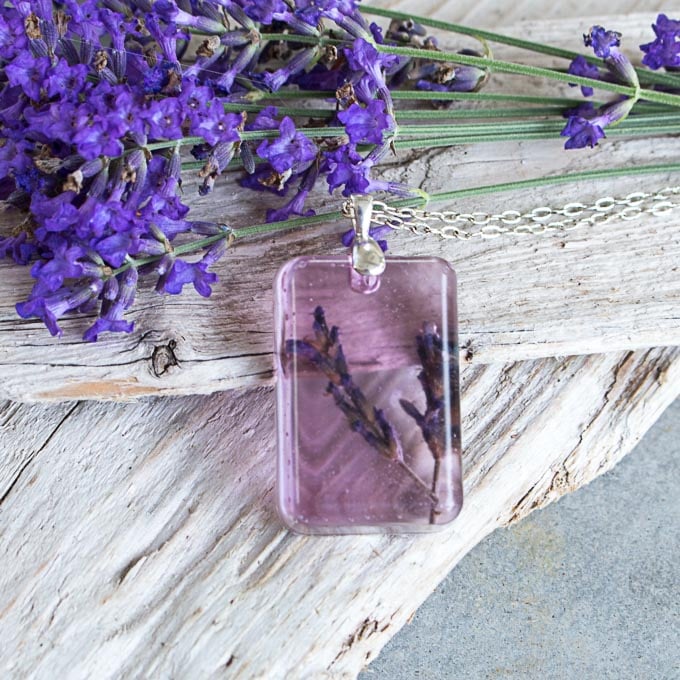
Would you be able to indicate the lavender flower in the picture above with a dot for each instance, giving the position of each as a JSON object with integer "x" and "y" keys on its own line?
{"x": 120, "y": 297}
{"x": 582, "y": 67}
{"x": 586, "y": 124}
{"x": 664, "y": 50}
{"x": 606, "y": 44}
{"x": 292, "y": 152}
{"x": 325, "y": 352}
{"x": 366, "y": 124}
{"x": 433, "y": 358}
{"x": 50, "y": 307}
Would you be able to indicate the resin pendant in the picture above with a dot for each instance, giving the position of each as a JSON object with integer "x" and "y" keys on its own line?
{"x": 367, "y": 393}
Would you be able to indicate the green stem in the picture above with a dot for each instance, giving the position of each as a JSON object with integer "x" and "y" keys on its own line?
{"x": 189, "y": 247}
{"x": 306, "y": 39}
{"x": 410, "y": 114}
{"x": 429, "y": 143}
{"x": 532, "y": 71}
{"x": 499, "y": 38}
{"x": 418, "y": 95}
{"x": 587, "y": 176}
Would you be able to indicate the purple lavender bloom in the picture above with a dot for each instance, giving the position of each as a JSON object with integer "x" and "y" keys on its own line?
{"x": 115, "y": 248}
{"x": 582, "y": 67}
{"x": 113, "y": 306}
{"x": 605, "y": 44}
{"x": 170, "y": 12}
{"x": 664, "y": 50}
{"x": 264, "y": 11}
{"x": 164, "y": 118}
{"x": 265, "y": 119}
{"x": 586, "y": 124}
{"x": 29, "y": 73}
{"x": 366, "y": 124}
{"x": 183, "y": 273}
{"x": 214, "y": 125}
{"x": 582, "y": 132}
{"x": 52, "y": 307}
{"x": 64, "y": 263}
{"x": 365, "y": 60}
{"x": 291, "y": 151}
{"x": 348, "y": 169}
{"x": 294, "y": 207}
{"x": 17, "y": 247}
{"x": 602, "y": 41}
{"x": 98, "y": 133}
{"x": 66, "y": 80}
{"x": 303, "y": 59}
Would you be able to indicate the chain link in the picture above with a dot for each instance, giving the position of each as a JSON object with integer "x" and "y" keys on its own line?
{"x": 543, "y": 220}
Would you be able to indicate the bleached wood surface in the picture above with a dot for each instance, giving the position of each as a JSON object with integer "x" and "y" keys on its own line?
{"x": 140, "y": 540}
{"x": 603, "y": 289}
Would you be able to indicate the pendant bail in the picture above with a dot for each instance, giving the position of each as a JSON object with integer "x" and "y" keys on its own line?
{"x": 368, "y": 258}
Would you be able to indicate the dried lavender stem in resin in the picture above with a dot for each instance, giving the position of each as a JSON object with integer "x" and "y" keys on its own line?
{"x": 326, "y": 354}
{"x": 432, "y": 422}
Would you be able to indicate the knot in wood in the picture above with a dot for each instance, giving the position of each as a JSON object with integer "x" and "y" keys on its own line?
{"x": 163, "y": 358}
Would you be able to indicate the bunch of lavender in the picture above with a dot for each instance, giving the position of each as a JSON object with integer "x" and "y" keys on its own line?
{"x": 99, "y": 102}
{"x": 96, "y": 105}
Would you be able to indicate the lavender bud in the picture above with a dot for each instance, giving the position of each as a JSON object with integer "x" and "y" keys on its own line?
{"x": 38, "y": 47}
{"x": 246, "y": 154}
{"x": 49, "y": 31}
{"x": 86, "y": 51}
{"x": 157, "y": 233}
{"x": 206, "y": 228}
{"x": 70, "y": 52}
{"x": 238, "y": 15}
{"x": 148, "y": 246}
{"x": 99, "y": 184}
{"x": 216, "y": 251}
{"x": 110, "y": 291}
{"x": 233, "y": 39}
{"x": 128, "y": 287}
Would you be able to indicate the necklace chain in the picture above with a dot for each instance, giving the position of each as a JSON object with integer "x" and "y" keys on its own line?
{"x": 543, "y": 220}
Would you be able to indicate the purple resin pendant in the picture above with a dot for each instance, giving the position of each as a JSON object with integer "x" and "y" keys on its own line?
{"x": 368, "y": 396}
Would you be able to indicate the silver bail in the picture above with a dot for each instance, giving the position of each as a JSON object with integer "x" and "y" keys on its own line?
{"x": 368, "y": 258}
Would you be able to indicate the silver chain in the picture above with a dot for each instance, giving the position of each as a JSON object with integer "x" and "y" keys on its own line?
{"x": 543, "y": 220}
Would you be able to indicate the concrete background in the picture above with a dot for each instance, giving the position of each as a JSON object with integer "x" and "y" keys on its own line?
{"x": 586, "y": 588}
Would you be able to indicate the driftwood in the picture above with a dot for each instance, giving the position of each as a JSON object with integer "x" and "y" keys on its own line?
{"x": 140, "y": 540}
{"x": 604, "y": 288}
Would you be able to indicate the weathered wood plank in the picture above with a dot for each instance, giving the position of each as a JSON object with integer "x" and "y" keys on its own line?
{"x": 615, "y": 287}
{"x": 141, "y": 540}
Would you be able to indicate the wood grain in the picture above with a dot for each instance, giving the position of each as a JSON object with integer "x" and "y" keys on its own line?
{"x": 611, "y": 288}
{"x": 140, "y": 540}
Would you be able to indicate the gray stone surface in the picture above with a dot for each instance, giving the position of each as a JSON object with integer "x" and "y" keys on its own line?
{"x": 586, "y": 588}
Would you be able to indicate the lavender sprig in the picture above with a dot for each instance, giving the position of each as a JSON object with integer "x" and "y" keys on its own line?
{"x": 432, "y": 421}
{"x": 325, "y": 353}
{"x": 586, "y": 124}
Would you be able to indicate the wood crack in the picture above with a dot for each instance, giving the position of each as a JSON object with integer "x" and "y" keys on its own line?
{"x": 33, "y": 456}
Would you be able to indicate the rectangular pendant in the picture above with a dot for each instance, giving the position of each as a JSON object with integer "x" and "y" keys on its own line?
{"x": 368, "y": 409}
